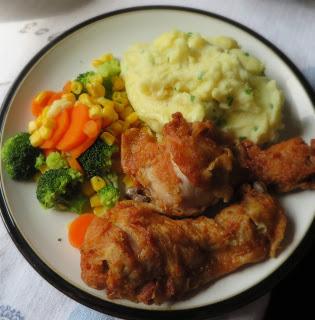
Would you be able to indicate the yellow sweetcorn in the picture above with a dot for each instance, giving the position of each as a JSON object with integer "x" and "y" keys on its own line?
{"x": 69, "y": 96}
{"x": 95, "y": 112}
{"x": 108, "y": 138}
{"x": 85, "y": 99}
{"x": 97, "y": 183}
{"x": 87, "y": 189}
{"x": 116, "y": 128}
{"x": 120, "y": 97}
{"x": 96, "y": 78}
{"x": 49, "y": 122}
{"x": 44, "y": 112}
{"x": 110, "y": 114}
{"x": 129, "y": 181}
{"x": 32, "y": 126}
{"x": 95, "y": 201}
{"x": 95, "y": 89}
{"x": 118, "y": 84}
{"x": 96, "y": 62}
{"x": 126, "y": 112}
{"x": 45, "y": 132}
{"x": 36, "y": 139}
{"x": 43, "y": 168}
{"x": 106, "y": 57}
{"x": 76, "y": 87}
{"x": 132, "y": 118}
{"x": 99, "y": 211}
{"x": 119, "y": 107}
{"x": 104, "y": 102}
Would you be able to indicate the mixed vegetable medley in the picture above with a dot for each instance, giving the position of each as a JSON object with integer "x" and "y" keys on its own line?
{"x": 71, "y": 148}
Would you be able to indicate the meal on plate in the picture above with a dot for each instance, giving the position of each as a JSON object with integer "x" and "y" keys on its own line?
{"x": 168, "y": 157}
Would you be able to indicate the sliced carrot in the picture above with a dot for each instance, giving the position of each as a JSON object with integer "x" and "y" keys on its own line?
{"x": 78, "y": 228}
{"x": 67, "y": 87}
{"x": 74, "y": 164}
{"x": 92, "y": 128}
{"x": 75, "y": 135}
{"x": 55, "y": 96}
{"x": 62, "y": 125}
{"x": 40, "y": 102}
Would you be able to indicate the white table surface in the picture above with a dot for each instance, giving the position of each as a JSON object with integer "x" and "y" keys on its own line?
{"x": 26, "y": 26}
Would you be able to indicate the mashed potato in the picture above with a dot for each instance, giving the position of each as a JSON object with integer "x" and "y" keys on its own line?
{"x": 203, "y": 79}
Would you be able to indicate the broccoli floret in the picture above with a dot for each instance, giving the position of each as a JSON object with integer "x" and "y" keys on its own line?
{"x": 19, "y": 157}
{"x": 109, "y": 69}
{"x": 84, "y": 77}
{"x": 109, "y": 195}
{"x": 78, "y": 204}
{"x": 56, "y": 161}
{"x": 96, "y": 161}
{"x": 56, "y": 187}
{"x": 40, "y": 161}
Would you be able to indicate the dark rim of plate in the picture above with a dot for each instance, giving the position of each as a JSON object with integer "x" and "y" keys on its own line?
{"x": 133, "y": 313}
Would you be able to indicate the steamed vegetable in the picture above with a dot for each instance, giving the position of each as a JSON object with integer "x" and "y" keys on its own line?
{"x": 19, "y": 157}
{"x": 57, "y": 187}
{"x": 96, "y": 161}
{"x": 56, "y": 161}
{"x": 78, "y": 229}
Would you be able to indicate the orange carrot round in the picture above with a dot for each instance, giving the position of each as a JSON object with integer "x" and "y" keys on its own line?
{"x": 92, "y": 128}
{"x": 40, "y": 102}
{"x": 75, "y": 135}
{"x": 77, "y": 229}
{"x": 62, "y": 125}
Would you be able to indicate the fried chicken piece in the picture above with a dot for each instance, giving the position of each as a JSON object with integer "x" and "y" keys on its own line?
{"x": 186, "y": 172}
{"x": 287, "y": 166}
{"x": 137, "y": 254}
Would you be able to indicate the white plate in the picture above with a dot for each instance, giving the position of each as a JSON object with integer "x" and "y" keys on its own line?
{"x": 35, "y": 231}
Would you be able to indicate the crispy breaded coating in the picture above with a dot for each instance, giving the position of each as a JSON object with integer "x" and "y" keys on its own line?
{"x": 137, "y": 254}
{"x": 187, "y": 171}
{"x": 287, "y": 166}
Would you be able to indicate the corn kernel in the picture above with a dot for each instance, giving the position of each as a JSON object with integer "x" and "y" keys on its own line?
{"x": 132, "y": 118}
{"x": 44, "y": 112}
{"x": 118, "y": 84}
{"x": 124, "y": 124}
{"x": 99, "y": 211}
{"x": 119, "y": 107}
{"x": 49, "y": 122}
{"x": 105, "y": 102}
{"x": 129, "y": 181}
{"x": 97, "y": 62}
{"x": 126, "y": 112}
{"x": 95, "y": 90}
{"x": 96, "y": 78}
{"x": 106, "y": 57}
{"x": 95, "y": 201}
{"x": 97, "y": 183}
{"x": 39, "y": 121}
{"x": 95, "y": 112}
{"x": 76, "y": 87}
{"x": 32, "y": 126}
{"x": 36, "y": 139}
{"x": 120, "y": 97}
{"x": 45, "y": 132}
{"x": 43, "y": 168}
{"x": 109, "y": 114}
{"x": 87, "y": 189}
{"x": 116, "y": 128}
{"x": 108, "y": 138}
{"x": 69, "y": 96}
{"x": 85, "y": 99}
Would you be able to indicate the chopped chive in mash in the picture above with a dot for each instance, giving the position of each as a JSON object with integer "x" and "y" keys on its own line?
{"x": 255, "y": 128}
{"x": 189, "y": 34}
{"x": 248, "y": 90}
{"x": 229, "y": 100}
{"x": 220, "y": 122}
{"x": 192, "y": 98}
{"x": 271, "y": 106}
{"x": 200, "y": 75}
{"x": 242, "y": 138}
{"x": 246, "y": 54}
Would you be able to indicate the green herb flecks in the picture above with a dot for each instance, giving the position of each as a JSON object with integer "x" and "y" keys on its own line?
{"x": 189, "y": 34}
{"x": 246, "y": 54}
{"x": 248, "y": 91}
{"x": 192, "y": 98}
{"x": 242, "y": 138}
{"x": 229, "y": 100}
{"x": 271, "y": 106}
{"x": 255, "y": 128}
{"x": 200, "y": 75}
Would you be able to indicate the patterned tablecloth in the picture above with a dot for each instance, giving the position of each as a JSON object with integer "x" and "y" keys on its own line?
{"x": 26, "y": 26}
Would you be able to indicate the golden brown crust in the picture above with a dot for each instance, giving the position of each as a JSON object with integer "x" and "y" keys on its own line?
{"x": 138, "y": 254}
{"x": 287, "y": 166}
